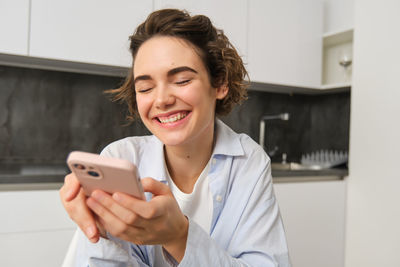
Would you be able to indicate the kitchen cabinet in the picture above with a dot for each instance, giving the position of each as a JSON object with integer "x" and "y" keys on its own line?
{"x": 34, "y": 230}
{"x": 231, "y": 16}
{"x": 89, "y": 31}
{"x": 285, "y": 42}
{"x": 14, "y": 26}
{"x": 338, "y": 15}
{"x": 313, "y": 214}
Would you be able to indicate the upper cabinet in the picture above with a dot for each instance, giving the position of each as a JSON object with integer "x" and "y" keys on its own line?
{"x": 230, "y": 16}
{"x": 91, "y": 31}
{"x": 14, "y": 27}
{"x": 338, "y": 16}
{"x": 279, "y": 41}
{"x": 285, "y": 42}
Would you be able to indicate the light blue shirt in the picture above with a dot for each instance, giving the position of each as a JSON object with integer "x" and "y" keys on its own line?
{"x": 246, "y": 227}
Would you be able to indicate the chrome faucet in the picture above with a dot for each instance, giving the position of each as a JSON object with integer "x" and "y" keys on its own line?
{"x": 282, "y": 116}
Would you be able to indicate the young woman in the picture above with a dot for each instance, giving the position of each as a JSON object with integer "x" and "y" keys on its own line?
{"x": 212, "y": 201}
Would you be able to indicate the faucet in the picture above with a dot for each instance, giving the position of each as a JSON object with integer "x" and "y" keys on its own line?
{"x": 282, "y": 116}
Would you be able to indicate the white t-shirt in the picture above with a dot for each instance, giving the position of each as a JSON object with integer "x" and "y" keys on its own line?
{"x": 197, "y": 205}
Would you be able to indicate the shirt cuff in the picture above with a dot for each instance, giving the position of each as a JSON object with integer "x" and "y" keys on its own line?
{"x": 196, "y": 243}
{"x": 105, "y": 250}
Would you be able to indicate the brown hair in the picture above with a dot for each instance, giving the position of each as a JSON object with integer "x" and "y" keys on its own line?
{"x": 221, "y": 59}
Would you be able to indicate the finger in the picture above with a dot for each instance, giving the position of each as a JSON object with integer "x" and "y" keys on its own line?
{"x": 71, "y": 187}
{"x": 83, "y": 216}
{"x": 146, "y": 210}
{"x": 123, "y": 213}
{"x": 110, "y": 222}
{"x": 155, "y": 187}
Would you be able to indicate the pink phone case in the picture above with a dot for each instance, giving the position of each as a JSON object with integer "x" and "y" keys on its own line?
{"x": 108, "y": 174}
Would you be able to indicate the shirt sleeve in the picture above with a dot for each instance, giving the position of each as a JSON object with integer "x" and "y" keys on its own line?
{"x": 106, "y": 252}
{"x": 259, "y": 238}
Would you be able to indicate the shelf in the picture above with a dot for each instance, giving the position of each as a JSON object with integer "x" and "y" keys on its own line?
{"x": 337, "y": 51}
{"x": 335, "y": 38}
{"x": 335, "y": 86}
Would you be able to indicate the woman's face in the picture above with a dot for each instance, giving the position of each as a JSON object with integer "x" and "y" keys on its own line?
{"x": 174, "y": 96}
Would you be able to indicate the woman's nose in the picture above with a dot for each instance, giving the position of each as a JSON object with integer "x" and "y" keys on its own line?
{"x": 164, "y": 98}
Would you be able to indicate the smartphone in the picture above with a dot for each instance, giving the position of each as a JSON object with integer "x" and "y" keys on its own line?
{"x": 108, "y": 174}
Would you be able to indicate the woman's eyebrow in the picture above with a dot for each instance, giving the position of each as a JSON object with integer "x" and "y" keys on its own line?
{"x": 142, "y": 78}
{"x": 180, "y": 69}
{"x": 169, "y": 73}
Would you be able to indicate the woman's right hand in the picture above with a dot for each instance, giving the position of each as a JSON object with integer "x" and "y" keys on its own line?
{"x": 74, "y": 201}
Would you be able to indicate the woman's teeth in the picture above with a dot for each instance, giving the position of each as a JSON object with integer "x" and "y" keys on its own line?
{"x": 173, "y": 118}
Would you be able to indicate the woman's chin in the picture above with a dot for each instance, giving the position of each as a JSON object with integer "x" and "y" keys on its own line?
{"x": 173, "y": 141}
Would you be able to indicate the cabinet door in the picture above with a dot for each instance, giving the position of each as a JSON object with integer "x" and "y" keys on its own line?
{"x": 285, "y": 42}
{"x": 14, "y": 26}
{"x": 35, "y": 230}
{"x": 338, "y": 15}
{"x": 314, "y": 217}
{"x": 230, "y": 16}
{"x": 91, "y": 31}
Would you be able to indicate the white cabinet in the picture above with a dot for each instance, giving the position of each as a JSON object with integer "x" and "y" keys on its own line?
{"x": 91, "y": 31}
{"x": 285, "y": 42}
{"x": 34, "y": 229}
{"x": 14, "y": 26}
{"x": 338, "y": 15}
{"x": 314, "y": 217}
{"x": 230, "y": 16}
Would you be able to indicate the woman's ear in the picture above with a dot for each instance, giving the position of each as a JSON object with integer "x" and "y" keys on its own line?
{"x": 222, "y": 91}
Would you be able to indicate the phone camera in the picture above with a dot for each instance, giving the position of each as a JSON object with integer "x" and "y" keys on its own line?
{"x": 93, "y": 173}
{"x": 79, "y": 166}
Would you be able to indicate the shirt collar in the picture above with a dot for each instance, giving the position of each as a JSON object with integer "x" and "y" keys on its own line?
{"x": 154, "y": 160}
{"x": 227, "y": 142}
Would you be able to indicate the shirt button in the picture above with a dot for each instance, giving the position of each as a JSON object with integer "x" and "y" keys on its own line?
{"x": 218, "y": 198}
{"x": 214, "y": 161}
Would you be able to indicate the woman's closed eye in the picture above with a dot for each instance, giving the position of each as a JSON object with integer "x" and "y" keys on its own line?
{"x": 183, "y": 82}
{"x": 144, "y": 86}
{"x": 143, "y": 90}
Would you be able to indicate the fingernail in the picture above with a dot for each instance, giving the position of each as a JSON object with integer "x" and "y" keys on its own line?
{"x": 97, "y": 195}
{"x": 94, "y": 240}
{"x": 68, "y": 194}
{"x": 117, "y": 197}
{"x": 90, "y": 232}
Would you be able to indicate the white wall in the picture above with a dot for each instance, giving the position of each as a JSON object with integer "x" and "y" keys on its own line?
{"x": 338, "y": 15}
{"x": 373, "y": 215}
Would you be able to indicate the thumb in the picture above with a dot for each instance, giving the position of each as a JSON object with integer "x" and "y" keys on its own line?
{"x": 155, "y": 187}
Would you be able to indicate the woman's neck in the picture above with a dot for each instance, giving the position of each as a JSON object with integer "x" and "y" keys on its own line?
{"x": 186, "y": 162}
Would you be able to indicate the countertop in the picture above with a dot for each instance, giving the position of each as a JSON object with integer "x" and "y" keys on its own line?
{"x": 341, "y": 172}
{"x": 286, "y": 176}
{"x": 30, "y": 177}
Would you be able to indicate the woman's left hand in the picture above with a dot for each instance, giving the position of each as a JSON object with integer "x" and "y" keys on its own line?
{"x": 158, "y": 221}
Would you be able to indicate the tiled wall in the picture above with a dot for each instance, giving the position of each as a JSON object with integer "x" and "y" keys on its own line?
{"x": 46, "y": 114}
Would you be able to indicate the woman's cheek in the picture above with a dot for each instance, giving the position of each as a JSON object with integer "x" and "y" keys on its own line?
{"x": 143, "y": 105}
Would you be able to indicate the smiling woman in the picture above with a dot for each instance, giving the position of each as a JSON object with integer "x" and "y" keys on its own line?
{"x": 211, "y": 198}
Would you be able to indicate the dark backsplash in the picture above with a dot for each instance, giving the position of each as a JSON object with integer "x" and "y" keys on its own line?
{"x": 317, "y": 122}
{"x": 46, "y": 114}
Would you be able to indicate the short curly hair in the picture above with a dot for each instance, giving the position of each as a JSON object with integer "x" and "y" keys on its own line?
{"x": 223, "y": 63}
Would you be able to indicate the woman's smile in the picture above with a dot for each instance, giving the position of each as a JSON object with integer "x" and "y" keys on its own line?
{"x": 172, "y": 119}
